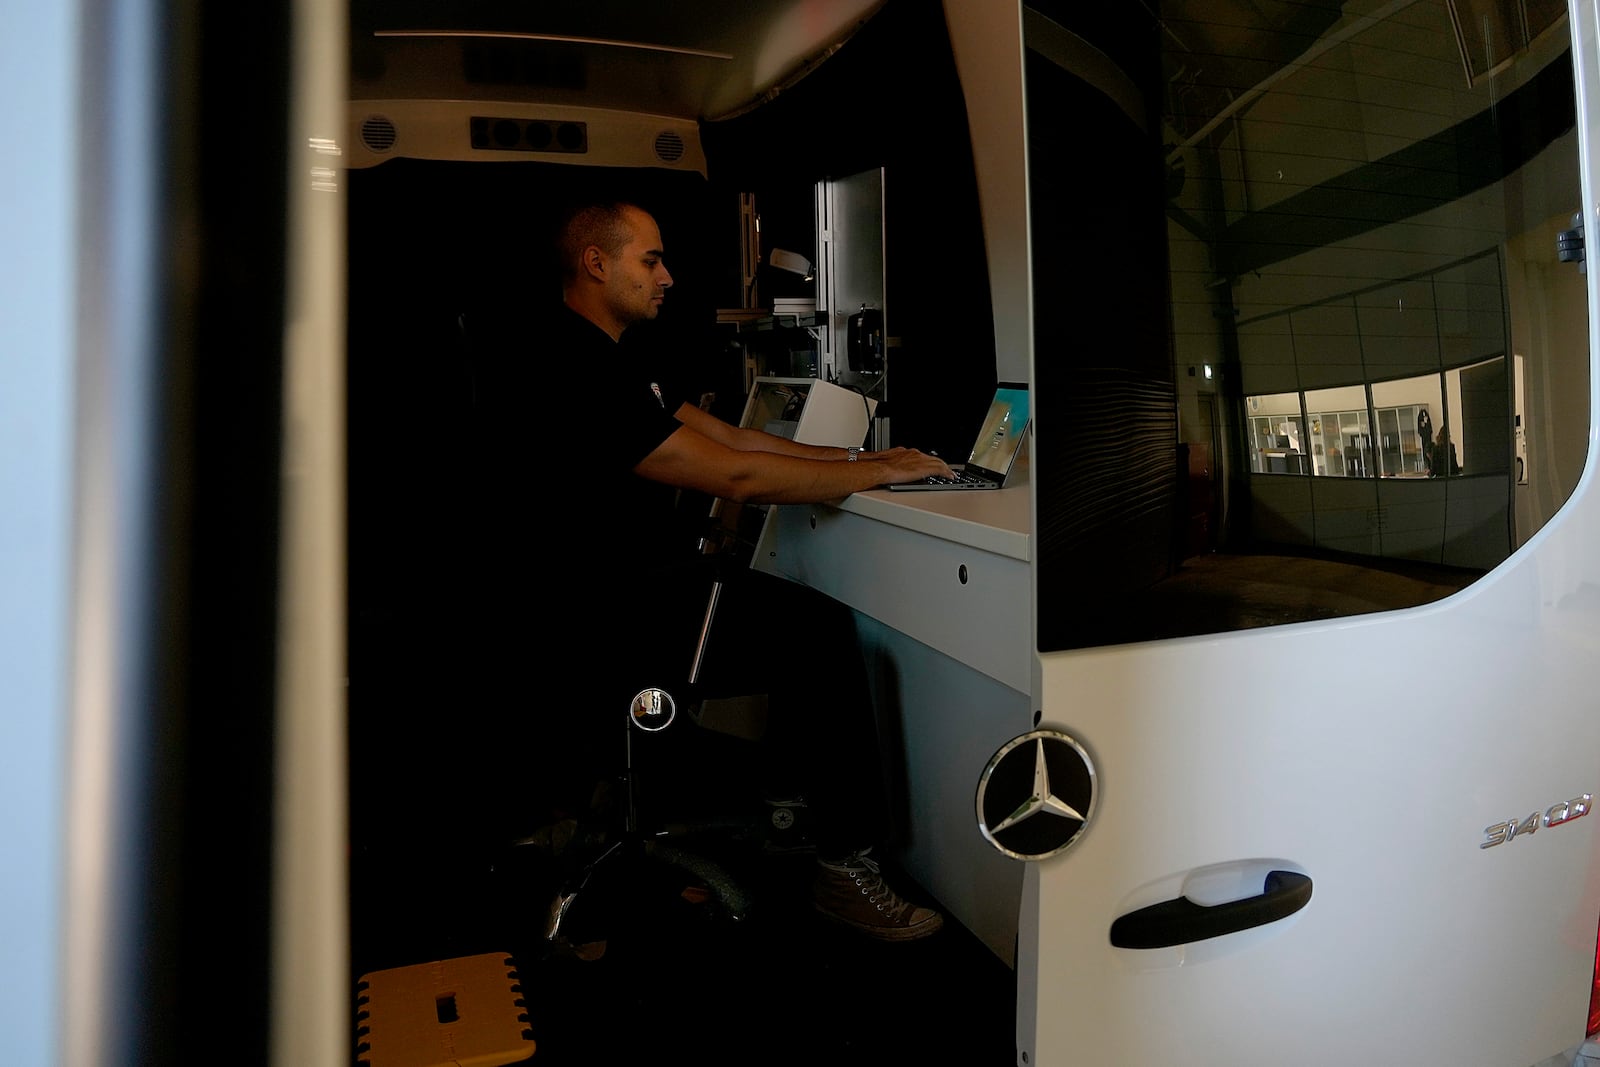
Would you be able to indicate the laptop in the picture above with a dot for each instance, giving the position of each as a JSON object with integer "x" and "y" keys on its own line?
{"x": 993, "y": 453}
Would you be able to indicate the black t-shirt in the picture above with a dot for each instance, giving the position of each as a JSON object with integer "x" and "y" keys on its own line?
{"x": 569, "y": 544}
{"x": 572, "y": 538}
{"x": 630, "y": 401}
{"x": 639, "y": 536}
{"x": 575, "y": 481}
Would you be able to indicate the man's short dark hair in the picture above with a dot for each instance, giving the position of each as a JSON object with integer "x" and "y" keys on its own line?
{"x": 603, "y": 224}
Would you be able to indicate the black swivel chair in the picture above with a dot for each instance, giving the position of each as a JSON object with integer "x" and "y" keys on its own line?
{"x": 627, "y": 832}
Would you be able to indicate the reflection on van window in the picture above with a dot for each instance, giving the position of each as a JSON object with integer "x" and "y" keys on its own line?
{"x": 1396, "y": 435}
{"x": 1393, "y": 438}
{"x": 1408, "y": 412}
{"x": 1277, "y": 434}
{"x": 1341, "y": 432}
{"x": 1361, "y": 232}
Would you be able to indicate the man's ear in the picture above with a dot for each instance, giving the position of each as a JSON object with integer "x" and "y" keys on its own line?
{"x": 594, "y": 261}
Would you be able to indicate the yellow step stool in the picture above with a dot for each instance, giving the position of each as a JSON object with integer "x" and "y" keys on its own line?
{"x": 465, "y": 1012}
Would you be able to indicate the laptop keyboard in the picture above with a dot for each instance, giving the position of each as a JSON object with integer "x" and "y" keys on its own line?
{"x": 961, "y": 478}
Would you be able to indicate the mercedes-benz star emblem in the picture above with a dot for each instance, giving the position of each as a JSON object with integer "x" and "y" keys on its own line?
{"x": 1036, "y": 795}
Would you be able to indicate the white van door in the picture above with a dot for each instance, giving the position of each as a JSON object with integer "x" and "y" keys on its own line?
{"x": 1333, "y": 807}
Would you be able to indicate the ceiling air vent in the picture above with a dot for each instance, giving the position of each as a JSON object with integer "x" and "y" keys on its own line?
{"x": 378, "y": 133}
{"x": 528, "y": 135}
{"x": 669, "y": 146}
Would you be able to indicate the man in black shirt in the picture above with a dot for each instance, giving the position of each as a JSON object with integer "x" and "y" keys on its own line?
{"x": 663, "y": 439}
{"x": 656, "y": 442}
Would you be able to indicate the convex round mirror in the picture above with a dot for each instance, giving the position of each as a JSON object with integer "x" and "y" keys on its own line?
{"x": 653, "y": 709}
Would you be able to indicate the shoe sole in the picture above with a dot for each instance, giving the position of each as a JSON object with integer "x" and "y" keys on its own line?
{"x": 887, "y": 933}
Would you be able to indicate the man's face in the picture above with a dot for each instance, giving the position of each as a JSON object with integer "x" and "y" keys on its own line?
{"x": 636, "y": 278}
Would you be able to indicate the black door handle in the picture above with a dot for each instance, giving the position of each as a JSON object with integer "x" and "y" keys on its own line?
{"x": 1177, "y": 922}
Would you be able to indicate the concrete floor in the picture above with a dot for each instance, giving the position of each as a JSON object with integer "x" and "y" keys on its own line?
{"x": 1220, "y": 592}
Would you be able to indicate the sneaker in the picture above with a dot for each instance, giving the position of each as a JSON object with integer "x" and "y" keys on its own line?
{"x": 787, "y": 827}
{"x": 852, "y": 891}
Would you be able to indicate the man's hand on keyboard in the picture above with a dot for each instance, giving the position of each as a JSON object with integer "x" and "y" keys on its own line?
{"x": 910, "y": 465}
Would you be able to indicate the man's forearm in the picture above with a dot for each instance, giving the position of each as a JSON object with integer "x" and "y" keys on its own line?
{"x": 761, "y": 441}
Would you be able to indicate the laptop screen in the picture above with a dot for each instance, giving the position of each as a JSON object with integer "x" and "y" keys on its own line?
{"x": 1001, "y": 435}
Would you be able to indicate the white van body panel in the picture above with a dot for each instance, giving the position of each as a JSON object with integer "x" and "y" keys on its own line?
{"x": 1384, "y": 756}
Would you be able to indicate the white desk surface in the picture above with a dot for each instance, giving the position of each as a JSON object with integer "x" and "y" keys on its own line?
{"x": 995, "y": 520}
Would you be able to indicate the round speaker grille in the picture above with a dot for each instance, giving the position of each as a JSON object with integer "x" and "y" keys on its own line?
{"x": 378, "y": 133}
{"x": 669, "y": 146}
